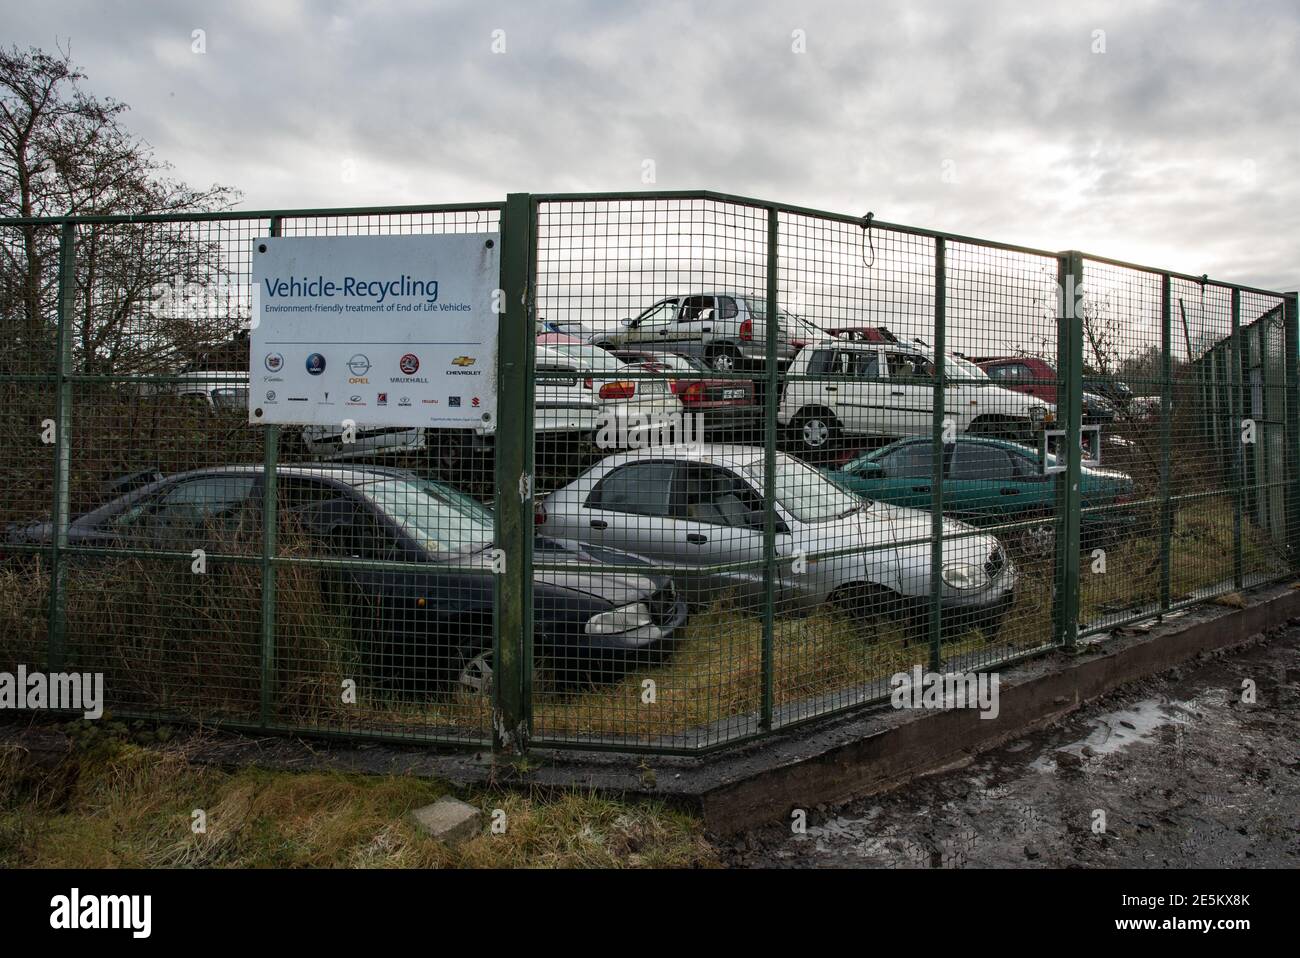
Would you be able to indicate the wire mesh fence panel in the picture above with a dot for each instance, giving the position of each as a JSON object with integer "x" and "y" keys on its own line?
{"x": 1001, "y": 400}
{"x": 649, "y": 378}
{"x": 29, "y": 407}
{"x": 1123, "y": 484}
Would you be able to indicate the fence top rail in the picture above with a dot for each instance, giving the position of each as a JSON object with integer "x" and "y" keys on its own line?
{"x": 227, "y": 215}
{"x": 638, "y": 196}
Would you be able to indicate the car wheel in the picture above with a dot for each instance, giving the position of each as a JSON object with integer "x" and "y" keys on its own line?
{"x": 725, "y": 359}
{"x": 475, "y": 674}
{"x": 816, "y": 431}
{"x": 875, "y": 609}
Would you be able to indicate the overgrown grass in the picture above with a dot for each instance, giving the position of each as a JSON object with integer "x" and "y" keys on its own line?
{"x": 173, "y": 643}
{"x": 121, "y": 805}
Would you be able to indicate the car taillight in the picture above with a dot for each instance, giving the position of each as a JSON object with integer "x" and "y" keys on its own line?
{"x": 586, "y": 383}
{"x": 747, "y": 330}
{"x": 694, "y": 392}
{"x": 539, "y": 515}
{"x": 619, "y": 390}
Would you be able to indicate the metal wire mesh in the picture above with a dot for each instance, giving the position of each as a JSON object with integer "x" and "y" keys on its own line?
{"x": 780, "y": 457}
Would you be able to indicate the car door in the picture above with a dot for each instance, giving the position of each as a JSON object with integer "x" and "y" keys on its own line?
{"x": 630, "y": 508}
{"x": 911, "y": 394}
{"x": 212, "y": 512}
{"x": 863, "y": 398}
{"x": 984, "y": 484}
{"x": 655, "y": 327}
{"x": 908, "y": 478}
{"x": 719, "y": 521}
{"x": 698, "y": 325}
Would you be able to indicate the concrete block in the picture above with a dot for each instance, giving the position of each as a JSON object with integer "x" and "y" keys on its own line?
{"x": 449, "y": 820}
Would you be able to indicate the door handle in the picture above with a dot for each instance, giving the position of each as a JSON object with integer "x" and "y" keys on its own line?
{"x": 599, "y": 524}
{"x": 1009, "y": 492}
{"x": 897, "y": 392}
{"x": 920, "y": 488}
{"x": 696, "y": 538}
{"x": 832, "y": 389}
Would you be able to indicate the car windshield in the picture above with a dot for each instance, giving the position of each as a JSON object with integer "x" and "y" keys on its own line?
{"x": 805, "y": 493}
{"x": 789, "y": 321}
{"x": 592, "y": 358}
{"x": 439, "y": 519}
{"x": 964, "y": 368}
{"x": 230, "y": 398}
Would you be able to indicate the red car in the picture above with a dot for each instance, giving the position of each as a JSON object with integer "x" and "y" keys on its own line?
{"x": 1037, "y": 377}
{"x": 726, "y": 405}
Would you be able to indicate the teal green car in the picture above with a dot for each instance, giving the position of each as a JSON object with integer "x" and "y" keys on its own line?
{"x": 985, "y": 482}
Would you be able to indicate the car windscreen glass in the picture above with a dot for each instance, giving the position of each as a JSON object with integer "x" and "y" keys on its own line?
{"x": 805, "y": 493}
{"x": 956, "y": 367}
{"x": 439, "y": 519}
{"x": 232, "y": 398}
{"x": 915, "y": 460}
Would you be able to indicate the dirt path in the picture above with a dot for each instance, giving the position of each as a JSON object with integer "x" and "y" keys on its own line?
{"x": 1185, "y": 772}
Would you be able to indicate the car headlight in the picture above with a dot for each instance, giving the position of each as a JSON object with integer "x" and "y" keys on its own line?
{"x": 625, "y": 618}
{"x": 963, "y": 575}
{"x": 1037, "y": 413}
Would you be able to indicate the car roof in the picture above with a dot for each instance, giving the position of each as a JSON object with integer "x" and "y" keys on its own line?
{"x": 348, "y": 475}
{"x": 714, "y": 453}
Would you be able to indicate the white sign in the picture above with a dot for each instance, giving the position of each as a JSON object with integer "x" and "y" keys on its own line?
{"x": 376, "y": 330}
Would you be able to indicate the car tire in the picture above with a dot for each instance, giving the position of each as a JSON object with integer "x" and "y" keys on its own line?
{"x": 725, "y": 359}
{"x": 816, "y": 432}
{"x": 873, "y": 607}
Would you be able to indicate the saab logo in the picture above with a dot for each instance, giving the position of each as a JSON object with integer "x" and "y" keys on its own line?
{"x": 315, "y": 364}
{"x": 409, "y": 364}
{"x": 382, "y": 400}
{"x": 464, "y": 361}
{"x": 453, "y": 401}
{"x": 273, "y": 362}
{"x": 359, "y": 364}
{"x": 474, "y": 402}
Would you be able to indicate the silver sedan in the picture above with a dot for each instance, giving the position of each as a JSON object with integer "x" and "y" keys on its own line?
{"x": 699, "y": 509}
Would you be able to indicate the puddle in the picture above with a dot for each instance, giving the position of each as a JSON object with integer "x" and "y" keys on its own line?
{"x": 1114, "y": 731}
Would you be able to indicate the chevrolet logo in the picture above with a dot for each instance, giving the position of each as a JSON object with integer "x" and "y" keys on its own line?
{"x": 464, "y": 361}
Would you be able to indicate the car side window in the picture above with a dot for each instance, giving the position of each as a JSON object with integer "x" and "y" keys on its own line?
{"x": 695, "y": 308}
{"x": 639, "y": 488}
{"x": 974, "y": 461}
{"x": 865, "y": 364}
{"x": 913, "y": 461}
{"x": 911, "y": 368}
{"x": 828, "y": 362}
{"x": 331, "y": 522}
{"x": 718, "y": 496}
{"x": 727, "y": 308}
{"x": 190, "y": 507}
{"x": 665, "y": 312}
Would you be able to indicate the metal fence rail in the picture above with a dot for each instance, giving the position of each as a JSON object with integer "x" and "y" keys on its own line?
{"x": 751, "y": 463}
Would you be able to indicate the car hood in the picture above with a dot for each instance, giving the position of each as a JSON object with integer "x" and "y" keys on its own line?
{"x": 580, "y": 571}
{"x": 885, "y": 524}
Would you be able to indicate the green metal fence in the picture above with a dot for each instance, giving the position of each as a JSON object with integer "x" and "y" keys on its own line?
{"x": 751, "y": 463}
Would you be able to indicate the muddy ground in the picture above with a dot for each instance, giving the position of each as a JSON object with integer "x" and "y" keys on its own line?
{"x": 1185, "y": 772}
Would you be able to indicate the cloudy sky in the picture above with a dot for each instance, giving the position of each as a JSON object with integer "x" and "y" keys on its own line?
{"x": 1158, "y": 132}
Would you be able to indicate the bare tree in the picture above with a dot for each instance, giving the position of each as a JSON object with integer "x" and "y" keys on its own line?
{"x": 64, "y": 151}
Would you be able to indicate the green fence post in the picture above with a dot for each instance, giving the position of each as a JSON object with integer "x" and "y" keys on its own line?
{"x": 771, "y": 389}
{"x": 58, "y": 611}
{"x": 1291, "y": 337}
{"x": 1236, "y": 401}
{"x": 938, "y": 412}
{"x": 1069, "y": 404}
{"x": 513, "y": 621}
{"x": 270, "y": 502}
{"x": 1166, "y": 441}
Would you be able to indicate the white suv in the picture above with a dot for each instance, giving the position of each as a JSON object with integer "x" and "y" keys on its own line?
{"x": 887, "y": 390}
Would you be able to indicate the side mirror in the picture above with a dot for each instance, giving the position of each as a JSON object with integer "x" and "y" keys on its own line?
{"x": 629, "y": 322}
{"x": 870, "y": 470}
